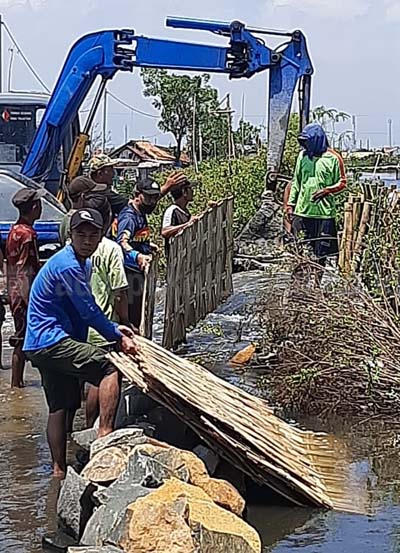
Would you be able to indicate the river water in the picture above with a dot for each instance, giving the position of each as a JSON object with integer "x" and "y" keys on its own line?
{"x": 28, "y": 493}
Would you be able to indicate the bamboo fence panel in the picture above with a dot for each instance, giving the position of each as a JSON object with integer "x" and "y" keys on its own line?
{"x": 307, "y": 468}
{"x": 199, "y": 271}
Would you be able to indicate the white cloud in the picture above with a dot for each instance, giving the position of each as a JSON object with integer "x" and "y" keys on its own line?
{"x": 34, "y": 4}
{"x": 339, "y": 9}
{"x": 392, "y": 9}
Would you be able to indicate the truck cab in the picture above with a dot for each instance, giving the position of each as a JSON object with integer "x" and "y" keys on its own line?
{"x": 20, "y": 115}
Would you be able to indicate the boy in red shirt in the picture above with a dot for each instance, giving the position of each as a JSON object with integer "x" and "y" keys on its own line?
{"x": 22, "y": 267}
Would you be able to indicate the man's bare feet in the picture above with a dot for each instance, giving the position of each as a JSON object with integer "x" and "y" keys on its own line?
{"x": 58, "y": 472}
{"x": 102, "y": 432}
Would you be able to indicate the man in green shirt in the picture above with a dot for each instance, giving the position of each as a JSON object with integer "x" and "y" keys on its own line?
{"x": 109, "y": 286}
{"x": 319, "y": 176}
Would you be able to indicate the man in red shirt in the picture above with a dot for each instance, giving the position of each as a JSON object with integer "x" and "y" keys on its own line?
{"x": 22, "y": 267}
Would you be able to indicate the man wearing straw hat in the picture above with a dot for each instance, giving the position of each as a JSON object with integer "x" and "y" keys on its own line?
{"x": 318, "y": 177}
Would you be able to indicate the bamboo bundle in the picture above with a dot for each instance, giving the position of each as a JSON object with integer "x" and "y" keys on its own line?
{"x": 304, "y": 467}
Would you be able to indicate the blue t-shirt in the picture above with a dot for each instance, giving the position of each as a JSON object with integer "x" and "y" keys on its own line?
{"x": 61, "y": 304}
{"x": 133, "y": 227}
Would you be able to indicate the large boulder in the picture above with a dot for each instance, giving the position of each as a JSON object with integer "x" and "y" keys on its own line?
{"x": 106, "y": 466}
{"x": 106, "y": 520}
{"x": 75, "y": 505}
{"x": 125, "y": 439}
{"x": 85, "y": 438}
{"x": 181, "y": 518}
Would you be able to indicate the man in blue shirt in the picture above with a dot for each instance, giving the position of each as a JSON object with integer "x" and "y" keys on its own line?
{"x": 61, "y": 310}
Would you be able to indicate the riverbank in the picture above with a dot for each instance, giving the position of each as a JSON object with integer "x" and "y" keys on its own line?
{"x": 28, "y": 493}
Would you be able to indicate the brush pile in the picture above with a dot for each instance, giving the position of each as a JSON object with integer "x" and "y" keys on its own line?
{"x": 337, "y": 350}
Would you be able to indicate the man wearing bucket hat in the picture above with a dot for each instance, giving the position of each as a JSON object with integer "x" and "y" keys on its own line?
{"x": 61, "y": 310}
{"x": 101, "y": 171}
{"x": 22, "y": 267}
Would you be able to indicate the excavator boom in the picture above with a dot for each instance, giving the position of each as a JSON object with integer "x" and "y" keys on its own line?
{"x": 107, "y": 52}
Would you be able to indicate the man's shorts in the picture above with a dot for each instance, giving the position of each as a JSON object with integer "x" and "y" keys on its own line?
{"x": 65, "y": 366}
{"x": 19, "y": 313}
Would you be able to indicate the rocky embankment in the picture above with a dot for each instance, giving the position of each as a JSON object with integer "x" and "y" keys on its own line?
{"x": 139, "y": 495}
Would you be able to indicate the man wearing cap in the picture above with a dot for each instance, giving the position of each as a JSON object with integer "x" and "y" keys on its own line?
{"x": 101, "y": 170}
{"x": 76, "y": 190}
{"x": 61, "y": 310}
{"x": 134, "y": 236}
{"x": 22, "y": 267}
{"x": 177, "y": 217}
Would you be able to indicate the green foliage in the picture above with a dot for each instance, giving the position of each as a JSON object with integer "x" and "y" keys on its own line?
{"x": 177, "y": 97}
{"x": 292, "y": 146}
{"x": 246, "y": 135}
{"x": 243, "y": 178}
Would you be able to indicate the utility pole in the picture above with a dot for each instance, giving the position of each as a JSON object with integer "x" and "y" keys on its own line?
{"x": 354, "y": 126}
{"x": 231, "y": 145}
{"x": 126, "y": 134}
{"x": 200, "y": 145}
{"x": 390, "y": 123}
{"x": 194, "y": 134}
{"x": 242, "y": 120}
{"x": 105, "y": 120}
{"x": 1, "y": 53}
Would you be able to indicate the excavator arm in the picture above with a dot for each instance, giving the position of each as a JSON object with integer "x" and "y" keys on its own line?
{"x": 107, "y": 52}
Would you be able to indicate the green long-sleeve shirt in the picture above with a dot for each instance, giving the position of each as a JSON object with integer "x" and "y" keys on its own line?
{"x": 324, "y": 172}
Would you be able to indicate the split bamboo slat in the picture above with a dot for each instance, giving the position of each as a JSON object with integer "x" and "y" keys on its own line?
{"x": 306, "y": 468}
{"x": 199, "y": 271}
{"x": 149, "y": 298}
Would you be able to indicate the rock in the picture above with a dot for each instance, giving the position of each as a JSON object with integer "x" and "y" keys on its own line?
{"x": 158, "y": 527}
{"x": 179, "y": 461}
{"x": 101, "y": 549}
{"x": 57, "y": 542}
{"x": 73, "y": 506}
{"x": 103, "y": 526}
{"x": 156, "y": 523}
{"x": 125, "y": 438}
{"x": 244, "y": 356}
{"x": 106, "y": 466}
{"x": 223, "y": 494}
{"x": 85, "y": 438}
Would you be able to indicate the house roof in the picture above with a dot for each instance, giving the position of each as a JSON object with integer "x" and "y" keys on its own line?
{"x": 147, "y": 151}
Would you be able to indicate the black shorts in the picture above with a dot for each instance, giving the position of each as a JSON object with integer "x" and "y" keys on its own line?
{"x": 320, "y": 234}
{"x": 65, "y": 366}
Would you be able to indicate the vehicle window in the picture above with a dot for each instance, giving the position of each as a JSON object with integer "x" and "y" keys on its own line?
{"x": 8, "y": 213}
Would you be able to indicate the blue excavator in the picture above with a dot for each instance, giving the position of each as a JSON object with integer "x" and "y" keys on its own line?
{"x": 58, "y": 147}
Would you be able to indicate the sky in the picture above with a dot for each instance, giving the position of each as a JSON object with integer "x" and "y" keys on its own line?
{"x": 354, "y": 46}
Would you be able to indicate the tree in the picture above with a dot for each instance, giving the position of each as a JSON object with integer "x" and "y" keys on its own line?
{"x": 176, "y": 96}
{"x": 329, "y": 116}
{"x": 247, "y": 135}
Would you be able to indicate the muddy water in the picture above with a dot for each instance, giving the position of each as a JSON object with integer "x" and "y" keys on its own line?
{"x": 28, "y": 493}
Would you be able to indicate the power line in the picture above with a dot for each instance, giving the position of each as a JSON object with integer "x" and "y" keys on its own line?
{"x": 131, "y": 107}
{"x": 27, "y": 62}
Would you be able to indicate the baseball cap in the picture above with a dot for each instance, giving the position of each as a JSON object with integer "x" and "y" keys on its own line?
{"x": 81, "y": 184}
{"x": 86, "y": 216}
{"x": 100, "y": 161}
{"x": 27, "y": 196}
{"x": 148, "y": 186}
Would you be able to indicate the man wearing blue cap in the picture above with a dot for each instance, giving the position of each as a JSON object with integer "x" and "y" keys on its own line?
{"x": 61, "y": 310}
